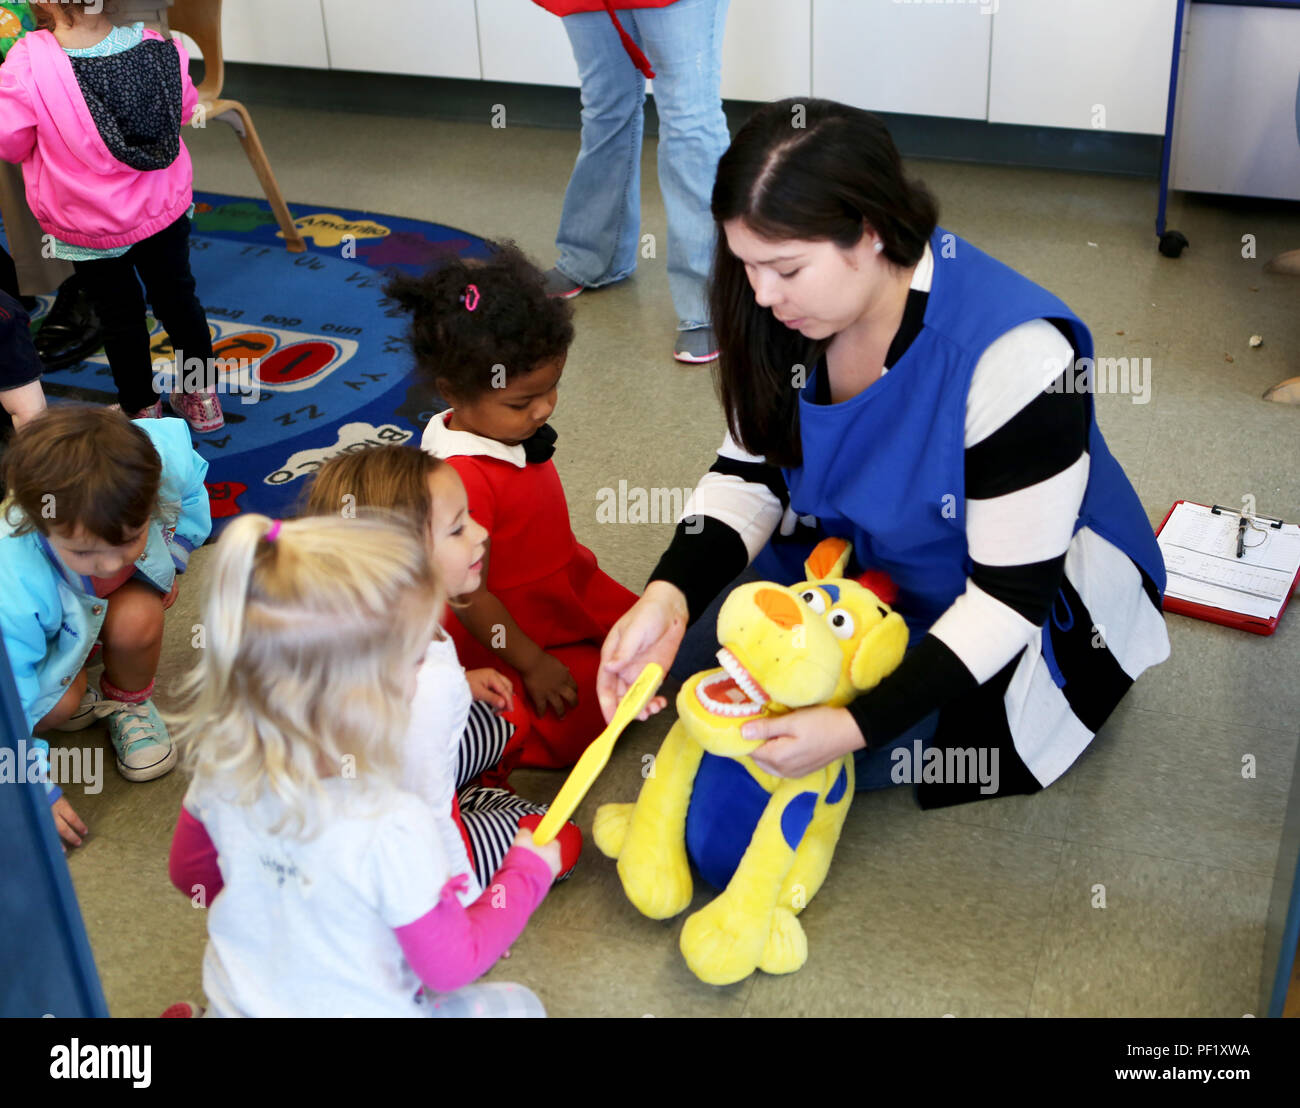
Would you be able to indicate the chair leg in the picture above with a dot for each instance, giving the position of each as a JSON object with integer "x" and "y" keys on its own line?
{"x": 252, "y": 145}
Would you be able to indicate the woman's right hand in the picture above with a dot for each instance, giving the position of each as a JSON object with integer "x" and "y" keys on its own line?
{"x": 650, "y": 631}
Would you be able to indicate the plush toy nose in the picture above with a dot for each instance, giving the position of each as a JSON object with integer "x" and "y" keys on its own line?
{"x": 778, "y": 607}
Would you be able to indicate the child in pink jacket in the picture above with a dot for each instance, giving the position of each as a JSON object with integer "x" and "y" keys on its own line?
{"x": 94, "y": 112}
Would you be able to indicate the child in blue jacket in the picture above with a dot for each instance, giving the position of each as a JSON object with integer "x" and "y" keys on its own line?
{"x": 100, "y": 515}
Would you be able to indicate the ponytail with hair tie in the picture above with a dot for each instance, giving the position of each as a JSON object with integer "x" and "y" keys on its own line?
{"x": 231, "y": 582}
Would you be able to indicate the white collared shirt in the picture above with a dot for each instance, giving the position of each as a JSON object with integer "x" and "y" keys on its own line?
{"x": 442, "y": 442}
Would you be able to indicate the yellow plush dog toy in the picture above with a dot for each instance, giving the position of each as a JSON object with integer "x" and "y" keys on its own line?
{"x": 765, "y": 841}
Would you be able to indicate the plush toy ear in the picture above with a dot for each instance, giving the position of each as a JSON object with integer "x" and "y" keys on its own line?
{"x": 879, "y": 653}
{"x": 828, "y": 559}
{"x": 880, "y": 583}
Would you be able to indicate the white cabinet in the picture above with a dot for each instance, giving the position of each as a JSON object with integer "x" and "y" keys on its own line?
{"x": 427, "y": 38}
{"x": 1085, "y": 64}
{"x": 766, "y": 52}
{"x": 1238, "y": 102}
{"x": 279, "y": 32}
{"x": 1089, "y": 64}
{"x": 916, "y": 58}
{"x": 520, "y": 41}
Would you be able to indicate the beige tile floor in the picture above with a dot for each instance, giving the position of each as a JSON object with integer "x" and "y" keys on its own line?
{"x": 975, "y": 911}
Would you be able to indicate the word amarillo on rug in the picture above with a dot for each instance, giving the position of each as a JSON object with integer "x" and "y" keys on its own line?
{"x": 966, "y": 765}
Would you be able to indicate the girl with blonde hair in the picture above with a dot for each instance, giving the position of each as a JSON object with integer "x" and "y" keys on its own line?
{"x": 461, "y": 722}
{"x": 330, "y": 892}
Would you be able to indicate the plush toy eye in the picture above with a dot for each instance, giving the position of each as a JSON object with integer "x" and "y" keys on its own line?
{"x": 841, "y": 623}
{"x": 814, "y": 599}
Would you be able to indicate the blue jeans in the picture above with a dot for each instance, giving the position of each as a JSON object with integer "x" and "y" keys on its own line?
{"x": 600, "y": 226}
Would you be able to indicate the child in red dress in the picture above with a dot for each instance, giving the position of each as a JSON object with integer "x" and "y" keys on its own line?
{"x": 493, "y": 345}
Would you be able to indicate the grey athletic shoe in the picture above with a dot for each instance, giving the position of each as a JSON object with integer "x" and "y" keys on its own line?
{"x": 696, "y": 346}
{"x": 560, "y": 286}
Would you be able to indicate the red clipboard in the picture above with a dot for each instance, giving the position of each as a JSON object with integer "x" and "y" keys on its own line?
{"x": 1224, "y": 616}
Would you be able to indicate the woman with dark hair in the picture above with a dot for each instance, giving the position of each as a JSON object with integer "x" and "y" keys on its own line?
{"x": 886, "y": 382}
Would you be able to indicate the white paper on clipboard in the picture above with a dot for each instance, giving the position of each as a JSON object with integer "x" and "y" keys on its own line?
{"x": 1200, "y": 552}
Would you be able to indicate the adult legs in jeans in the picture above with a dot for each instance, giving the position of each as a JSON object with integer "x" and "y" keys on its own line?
{"x": 601, "y": 221}
{"x": 600, "y": 226}
{"x": 684, "y": 44}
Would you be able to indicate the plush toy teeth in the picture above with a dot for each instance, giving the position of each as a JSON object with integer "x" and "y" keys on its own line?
{"x": 719, "y": 695}
{"x": 742, "y": 677}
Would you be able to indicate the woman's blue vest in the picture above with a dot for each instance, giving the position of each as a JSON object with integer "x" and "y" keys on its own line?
{"x": 886, "y": 469}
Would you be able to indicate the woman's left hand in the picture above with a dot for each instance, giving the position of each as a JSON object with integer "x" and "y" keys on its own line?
{"x": 803, "y": 741}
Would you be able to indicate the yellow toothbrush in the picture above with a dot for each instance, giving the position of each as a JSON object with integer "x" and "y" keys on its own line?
{"x": 597, "y": 754}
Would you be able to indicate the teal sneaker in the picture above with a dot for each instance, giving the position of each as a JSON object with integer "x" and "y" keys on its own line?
{"x": 144, "y": 749}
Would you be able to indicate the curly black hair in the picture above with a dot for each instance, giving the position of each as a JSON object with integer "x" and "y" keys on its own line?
{"x": 513, "y": 322}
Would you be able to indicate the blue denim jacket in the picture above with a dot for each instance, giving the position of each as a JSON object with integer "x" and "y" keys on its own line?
{"x": 51, "y": 617}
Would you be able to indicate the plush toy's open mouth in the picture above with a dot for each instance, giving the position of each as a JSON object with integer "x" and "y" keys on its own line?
{"x": 734, "y": 692}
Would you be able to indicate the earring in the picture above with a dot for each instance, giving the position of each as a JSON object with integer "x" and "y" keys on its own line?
{"x": 879, "y": 246}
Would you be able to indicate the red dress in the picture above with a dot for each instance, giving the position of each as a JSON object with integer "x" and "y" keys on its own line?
{"x": 547, "y": 580}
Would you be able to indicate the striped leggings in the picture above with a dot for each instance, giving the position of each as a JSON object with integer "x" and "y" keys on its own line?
{"x": 491, "y": 816}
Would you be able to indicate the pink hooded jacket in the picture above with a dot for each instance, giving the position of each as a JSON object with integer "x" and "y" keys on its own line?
{"x": 77, "y": 189}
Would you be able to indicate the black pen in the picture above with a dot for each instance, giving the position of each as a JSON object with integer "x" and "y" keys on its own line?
{"x": 1241, "y": 535}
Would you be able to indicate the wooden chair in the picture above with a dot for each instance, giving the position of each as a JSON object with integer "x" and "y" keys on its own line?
{"x": 201, "y": 20}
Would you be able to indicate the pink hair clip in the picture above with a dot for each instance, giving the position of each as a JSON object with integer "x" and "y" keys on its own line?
{"x": 274, "y": 532}
{"x": 470, "y": 297}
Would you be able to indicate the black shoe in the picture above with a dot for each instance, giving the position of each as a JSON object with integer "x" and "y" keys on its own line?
{"x": 71, "y": 332}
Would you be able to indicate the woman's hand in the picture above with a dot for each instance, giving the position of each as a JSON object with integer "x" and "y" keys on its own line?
{"x": 492, "y": 686}
{"x": 550, "y": 684}
{"x": 803, "y": 741}
{"x": 650, "y": 631}
{"x": 67, "y": 822}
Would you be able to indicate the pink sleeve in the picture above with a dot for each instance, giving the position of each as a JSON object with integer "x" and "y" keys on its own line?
{"x": 451, "y": 945}
{"x": 17, "y": 116}
{"x": 193, "y": 860}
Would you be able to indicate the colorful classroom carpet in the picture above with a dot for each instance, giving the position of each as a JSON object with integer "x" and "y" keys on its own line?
{"x": 325, "y": 369}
